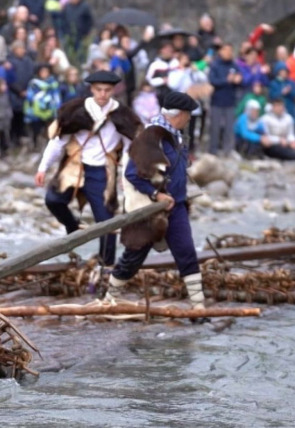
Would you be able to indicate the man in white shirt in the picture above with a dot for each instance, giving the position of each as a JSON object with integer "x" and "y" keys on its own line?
{"x": 89, "y": 133}
{"x": 279, "y": 134}
{"x": 158, "y": 71}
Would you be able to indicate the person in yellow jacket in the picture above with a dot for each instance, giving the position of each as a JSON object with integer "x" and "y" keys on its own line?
{"x": 54, "y": 9}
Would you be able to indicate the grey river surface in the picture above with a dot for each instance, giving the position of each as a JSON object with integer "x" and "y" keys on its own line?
{"x": 130, "y": 375}
{"x": 118, "y": 375}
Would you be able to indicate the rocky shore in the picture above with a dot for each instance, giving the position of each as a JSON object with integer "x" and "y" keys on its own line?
{"x": 238, "y": 196}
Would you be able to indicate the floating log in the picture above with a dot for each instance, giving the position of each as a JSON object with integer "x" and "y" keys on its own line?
{"x": 166, "y": 261}
{"x": 67, "y": 243}
{"x": 262, "y": 296}
{"x": 122, "y": 309}
{"x": 257, "y": 252}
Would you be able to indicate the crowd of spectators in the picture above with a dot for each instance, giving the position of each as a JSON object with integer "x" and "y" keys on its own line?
{"x": 48, "y": 47}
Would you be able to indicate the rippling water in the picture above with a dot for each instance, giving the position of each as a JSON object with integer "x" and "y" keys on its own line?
{"x": 129, "y": 375}
{"x": 159, "y": 375}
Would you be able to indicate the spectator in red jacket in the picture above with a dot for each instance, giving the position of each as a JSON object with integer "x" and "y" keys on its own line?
{"x": 257, "y": 43}
{"x": 291, "y": 65}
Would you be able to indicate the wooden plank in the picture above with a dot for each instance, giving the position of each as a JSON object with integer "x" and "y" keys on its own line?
{"x": 67, "y": 243}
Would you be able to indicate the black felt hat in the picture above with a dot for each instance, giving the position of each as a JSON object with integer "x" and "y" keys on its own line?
{"x": 179, "y": 101}
{"x": 103, "y": 76}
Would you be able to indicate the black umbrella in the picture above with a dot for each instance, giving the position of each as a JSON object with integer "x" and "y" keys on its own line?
{"x": 173, "y": 32}
{"x": 129, "y": 16}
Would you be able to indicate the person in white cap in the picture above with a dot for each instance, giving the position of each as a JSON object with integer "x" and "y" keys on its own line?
{"x": 249, "y": 131}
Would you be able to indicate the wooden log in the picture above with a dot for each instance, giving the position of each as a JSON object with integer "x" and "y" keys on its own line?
{"x": 261, "y": 296}
{"x": 166, "y": 260}
{"x": 67, "y": 243}
{"x": 263, "y": 251}
{"x": 130, "y": 309}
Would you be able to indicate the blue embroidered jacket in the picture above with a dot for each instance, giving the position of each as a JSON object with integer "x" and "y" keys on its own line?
{"x": 175, "y": 173}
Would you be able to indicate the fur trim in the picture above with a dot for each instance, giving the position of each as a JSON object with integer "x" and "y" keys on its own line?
{"x": 145, "y": 232}
{"x": 53, "y": 130}
{"x": 73, "y": 116}
{"x": 110, "y": 192}
{"x": 72, "y": 174}
{"x": 146, "y": 151}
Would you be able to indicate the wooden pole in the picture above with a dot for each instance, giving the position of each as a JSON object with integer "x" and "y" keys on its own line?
{"x": 255, "y": 252}
{"x": 130, "y": 309}
{"x": 263, "y": 251}
{"x": 65, "y": 244}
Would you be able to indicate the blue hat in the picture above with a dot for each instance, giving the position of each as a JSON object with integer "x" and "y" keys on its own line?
{"x": 279, "y": 66}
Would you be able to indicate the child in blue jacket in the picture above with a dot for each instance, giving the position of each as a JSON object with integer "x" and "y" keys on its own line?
{"x": 249, "y": 130}
{"x": 42, "y": 100}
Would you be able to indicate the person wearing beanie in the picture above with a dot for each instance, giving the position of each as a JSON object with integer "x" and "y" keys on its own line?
{"x": 283, "y": 87}
{"x": 249, "y": 131}
{"x": 156, "y": 172}
{"x": 89, "y": 133}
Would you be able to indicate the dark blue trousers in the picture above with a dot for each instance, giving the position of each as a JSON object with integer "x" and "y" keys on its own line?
{"x": 94, "y": 186}
{"x": 180, "y": 241}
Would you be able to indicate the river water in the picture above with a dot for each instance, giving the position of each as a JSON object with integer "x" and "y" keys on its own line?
{"x": 116, "y": 375}
{"x": 164, "y": 375}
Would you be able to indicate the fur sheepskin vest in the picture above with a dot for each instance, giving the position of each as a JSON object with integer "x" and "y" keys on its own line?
{"x": 151, "y": 162}
{"x": 72, "y": 118}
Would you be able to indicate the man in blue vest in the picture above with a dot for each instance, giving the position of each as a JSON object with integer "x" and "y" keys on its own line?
{"x": 158, "y": 151}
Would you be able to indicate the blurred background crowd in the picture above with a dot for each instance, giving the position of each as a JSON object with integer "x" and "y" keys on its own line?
{"x": 48, "y": 47}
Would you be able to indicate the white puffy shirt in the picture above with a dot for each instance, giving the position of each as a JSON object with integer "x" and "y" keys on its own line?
{"x": 92, "y": 153}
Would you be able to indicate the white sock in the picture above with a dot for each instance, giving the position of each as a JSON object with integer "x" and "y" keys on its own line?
{"x": 115, "y": 282}
{"x": 194, "y": 288}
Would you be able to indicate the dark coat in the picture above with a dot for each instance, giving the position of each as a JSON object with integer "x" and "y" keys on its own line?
{"x": 24, "y": 72}
{"x": 206, "y": 39}
{"x": 69, "y": 92}
{"x": 36, "y": 7}
{"x": 5, "y": 111}
{"x": 77, "y": 20}
{"x": 224, "y": 92}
